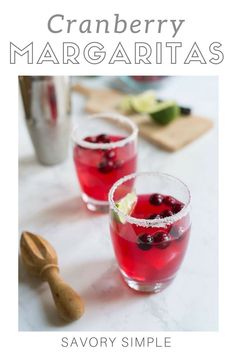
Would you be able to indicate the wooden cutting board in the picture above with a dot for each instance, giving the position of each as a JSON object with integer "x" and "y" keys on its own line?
{"x": 171, "y": 137}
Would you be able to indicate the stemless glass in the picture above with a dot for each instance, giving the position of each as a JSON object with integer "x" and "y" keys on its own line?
{"x": 104, "y": 151}
{"x": 151, "y": 242}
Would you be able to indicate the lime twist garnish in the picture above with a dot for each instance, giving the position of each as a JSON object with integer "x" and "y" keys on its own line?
{"x": 126, "y": 205}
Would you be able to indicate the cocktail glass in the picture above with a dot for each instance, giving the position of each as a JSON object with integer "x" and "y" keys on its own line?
{"x": 150, "y": 242}
{"x": 104, "y": 151}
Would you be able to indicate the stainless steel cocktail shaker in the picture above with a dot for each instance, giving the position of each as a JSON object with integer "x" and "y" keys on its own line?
{"x": 46, "y": 101}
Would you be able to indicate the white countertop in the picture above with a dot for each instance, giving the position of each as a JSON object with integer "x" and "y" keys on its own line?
{"x": 50, "y": 205}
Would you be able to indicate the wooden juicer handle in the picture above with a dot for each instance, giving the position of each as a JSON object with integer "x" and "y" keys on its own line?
{"x": 40, "y": 259}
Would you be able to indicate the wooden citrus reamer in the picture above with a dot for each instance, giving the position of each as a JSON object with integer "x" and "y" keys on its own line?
{"x": 40, "y": 259}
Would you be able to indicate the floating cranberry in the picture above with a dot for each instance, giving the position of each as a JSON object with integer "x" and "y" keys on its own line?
{"x": 156, "y": 199}
{"x": 103, "y": 138}
{"x": 110, "y": 154}
{"x": 92, "y": 139}
{"x": 161, "y": 240}
{"x": 177, "y": 207}
{"x": 168, "y": 200}
{"x": 144, "y": 241}
{"x": 106, "y": 166}
{"x": 166, "y": 213}
{"x": 154, "y": 216}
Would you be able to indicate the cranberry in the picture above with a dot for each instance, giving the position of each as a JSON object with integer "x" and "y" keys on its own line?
{"x": 156, "y": 199}
{"x": 177, "y": 207}
{"x": 161, "y": 240}
{"x": 144, "y": 241}
{"x": 106, "y": 166}
{"x": 110, "y": 154}
{"x": 168, "y": 200}
{"x": 166, "y": 213}
{"x": 154, "y": 216}
{"x": 92, "y": 139}
{"x": 103, "y": 138}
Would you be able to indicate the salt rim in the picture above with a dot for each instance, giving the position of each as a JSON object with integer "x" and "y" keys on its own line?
{"x": 109, "y": 145}
{"x": 161, "y": 223}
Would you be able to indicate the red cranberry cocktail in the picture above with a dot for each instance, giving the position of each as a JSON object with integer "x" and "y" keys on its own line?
{"x": 150, "y": 228}
{"x": 104, "y": 151}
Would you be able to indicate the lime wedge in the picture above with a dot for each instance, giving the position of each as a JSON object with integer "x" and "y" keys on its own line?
{"x": 144, "y": 103}
{"x": 126, "y": 205}
{"x": 165, "y": 112}
{"x": 125, "y": 104}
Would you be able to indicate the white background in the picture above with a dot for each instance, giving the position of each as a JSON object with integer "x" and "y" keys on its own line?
{"x": 25, "y": 21}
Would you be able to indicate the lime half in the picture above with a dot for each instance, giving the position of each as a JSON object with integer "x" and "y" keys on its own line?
{"x": 143, "y": 103}
{"x": 126, "y": 205}
{"x": 125, "y": 104}
{"x": 165, "y": 112}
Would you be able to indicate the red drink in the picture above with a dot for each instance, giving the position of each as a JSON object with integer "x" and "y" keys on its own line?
{"x": 150, "y": 231}
{"x": 104, "y": 151}
{"x": 98, "y": 169}
{"x": 142, "y": 83}
{"x": 147, "y": 79}
{"x": 153, "y": 254}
